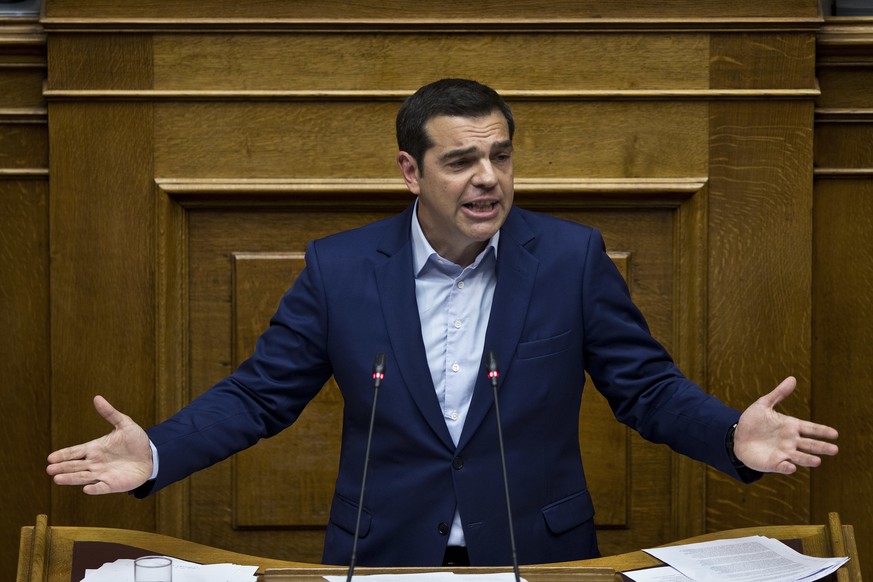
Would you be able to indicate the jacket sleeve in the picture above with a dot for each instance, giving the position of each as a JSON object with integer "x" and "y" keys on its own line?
{"x": 638, "y": 377}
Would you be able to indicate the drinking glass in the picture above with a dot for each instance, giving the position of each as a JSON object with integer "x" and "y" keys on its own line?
{"x": 153, "y": 569}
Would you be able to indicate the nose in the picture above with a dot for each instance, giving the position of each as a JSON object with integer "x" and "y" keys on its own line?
{"x": 485, "y": 176}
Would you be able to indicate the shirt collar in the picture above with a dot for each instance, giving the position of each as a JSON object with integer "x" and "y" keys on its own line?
{"x": 422, "y": 251}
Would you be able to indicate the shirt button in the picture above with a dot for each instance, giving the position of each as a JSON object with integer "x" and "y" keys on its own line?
{"x": 443, "y": 528}
{"x": 457, "y": 324}
{"x": 460, "y": 284}
{"x": 455, "y": 367}
{"x": 454, "y": 415}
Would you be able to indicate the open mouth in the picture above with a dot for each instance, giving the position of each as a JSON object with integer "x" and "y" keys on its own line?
{"x": 485, "y": 206}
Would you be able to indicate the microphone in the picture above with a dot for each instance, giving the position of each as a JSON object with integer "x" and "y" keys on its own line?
{"x": 493, "y": 375}
{"x": 378, "y": 376}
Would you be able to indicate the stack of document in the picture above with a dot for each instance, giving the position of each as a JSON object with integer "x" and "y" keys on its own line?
{"x": 748, "y": 559}
{"x": 122, "y": 571}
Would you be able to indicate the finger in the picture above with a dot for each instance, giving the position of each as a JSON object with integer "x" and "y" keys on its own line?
{"x": 819, "y": 431}
{"x": 80, "y": 478}
{"x": 98, "y": 488}
{"x": 107, "y": 411}
{"x": 780, "y": 393}
{"x": 805, "y": 460}
{"x": 67, "y": 454}
{"x": 69, "y": 467}
{"x": 817, "y": 447}
{"x": 785, "y": 467}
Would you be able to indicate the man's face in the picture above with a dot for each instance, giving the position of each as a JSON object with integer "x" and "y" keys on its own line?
{"x": 466, "y": 188}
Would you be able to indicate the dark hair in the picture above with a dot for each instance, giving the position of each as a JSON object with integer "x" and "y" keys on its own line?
{"x": 452, "y": 97}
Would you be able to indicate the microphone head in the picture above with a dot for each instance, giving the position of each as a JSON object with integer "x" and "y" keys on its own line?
{"x": 491, "y": 364}
{"x": 379, "y": 364}
{"x": 378, "y": 370}
{"x": 491, "y": 361}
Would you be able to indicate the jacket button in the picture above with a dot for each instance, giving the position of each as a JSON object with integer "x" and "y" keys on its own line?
{"x": 458, "y": 462}
{"x": 443, "y": 528}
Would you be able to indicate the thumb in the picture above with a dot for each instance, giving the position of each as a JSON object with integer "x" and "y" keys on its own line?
{"x": 780, "y": 393}
{"x": 107, "y": 411}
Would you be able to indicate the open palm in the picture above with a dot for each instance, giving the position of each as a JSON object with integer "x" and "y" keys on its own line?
{"x": 116, "y": 462}
{"x": 772, "y": 442}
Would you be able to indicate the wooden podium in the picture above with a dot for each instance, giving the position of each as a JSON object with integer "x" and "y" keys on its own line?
{"x": 61, "y": 554}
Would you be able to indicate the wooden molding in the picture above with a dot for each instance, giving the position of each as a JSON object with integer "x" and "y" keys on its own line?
{"x": 340, "y": 95}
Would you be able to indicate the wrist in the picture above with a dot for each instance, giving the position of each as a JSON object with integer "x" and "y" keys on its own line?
{"x": 729, "y": 448}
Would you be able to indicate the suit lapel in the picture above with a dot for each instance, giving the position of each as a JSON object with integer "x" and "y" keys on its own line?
{"x": 396, "y": 284}
{"x": 516, "y": 272}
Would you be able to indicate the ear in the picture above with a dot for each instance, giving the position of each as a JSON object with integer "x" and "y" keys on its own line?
{"x": 409, "y": 171}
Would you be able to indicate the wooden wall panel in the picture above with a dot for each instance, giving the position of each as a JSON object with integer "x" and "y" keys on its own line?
{"x": 569, "y": 61}
{"x": 304, "y": 139}
{"x": 844, "y": 142}
{"x": 843, "y": 342}
{"x": 683, "y": 130}
{"x": 24, "y": 143}
{"x": 760, "y": 277}
{"x": 745, "y": 61}
{"x": 214, "y": 236}
{"x": 120, "y": 61}
{"x": 843, "y": 271}
{"x": 24, "y": 358}
{"x": 20, "y": 87}
{"x": 24, "y": 286}
{"x": 848, "y": 86}
{"x": 102, "y": 286}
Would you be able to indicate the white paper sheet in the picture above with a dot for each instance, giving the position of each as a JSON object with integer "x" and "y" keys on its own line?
{"x": 122, "y": 571}
{"x": 749, "y": 559}
{"x": 660, "y": 574}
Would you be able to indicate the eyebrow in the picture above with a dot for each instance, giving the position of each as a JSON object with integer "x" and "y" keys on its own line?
{"x": 460, "y": 153}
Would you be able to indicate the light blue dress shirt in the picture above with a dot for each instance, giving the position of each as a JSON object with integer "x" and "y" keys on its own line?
{"x": 454, "y": 305}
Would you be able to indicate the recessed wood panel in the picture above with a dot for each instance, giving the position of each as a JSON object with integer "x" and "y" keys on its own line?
{"x": 23, "y": 144}
{"x": 21, "y": 86}
{"x": 234, "y": 253}
{"x": 215, "y": 237}
{"x": 288, "y": 480}
{"x": 845, "y": 87}
{"x": 844, "y": 145}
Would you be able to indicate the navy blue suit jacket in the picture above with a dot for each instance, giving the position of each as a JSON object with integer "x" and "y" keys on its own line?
{"x": 560, "y": 308}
